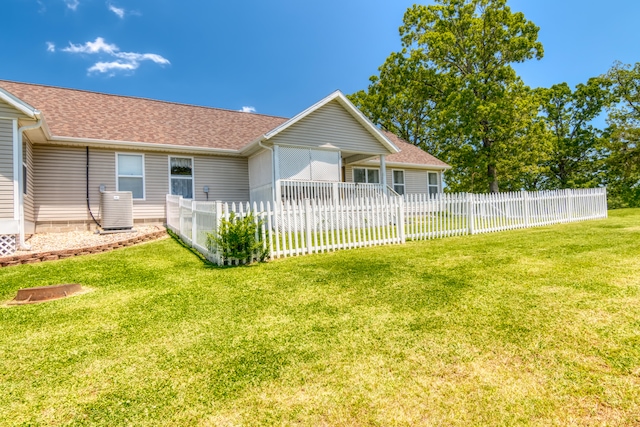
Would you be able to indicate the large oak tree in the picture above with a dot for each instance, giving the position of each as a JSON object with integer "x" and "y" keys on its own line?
{"x": 452, "y": 89}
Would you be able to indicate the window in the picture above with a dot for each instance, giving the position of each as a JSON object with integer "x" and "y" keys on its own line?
{"x": 181, "y": 176}
{"x": 130, "y": 174}
{"x": 434, "y": 187}
{"x": 368, "y": 176}
{"x": 398, "y": 182}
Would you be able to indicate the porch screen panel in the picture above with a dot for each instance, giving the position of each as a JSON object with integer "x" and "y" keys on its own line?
{"x": 325, "y": 165}
{"x": 295, "y": 163}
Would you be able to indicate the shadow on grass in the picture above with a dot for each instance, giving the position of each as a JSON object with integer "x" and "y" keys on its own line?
{"x": 206, "y": 263}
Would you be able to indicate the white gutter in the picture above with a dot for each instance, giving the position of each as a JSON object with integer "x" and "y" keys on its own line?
{"x": 21, "y": 243}
{"x": 152, "y": 146}
{"x": 405, "y": 165}
{"x": 273, "y": 170}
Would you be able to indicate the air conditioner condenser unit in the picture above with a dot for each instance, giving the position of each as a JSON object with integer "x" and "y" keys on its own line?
{"x": 116, "y": 209}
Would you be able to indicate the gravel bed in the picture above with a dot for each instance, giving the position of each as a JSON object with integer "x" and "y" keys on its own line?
{"x": 45, "y": 242}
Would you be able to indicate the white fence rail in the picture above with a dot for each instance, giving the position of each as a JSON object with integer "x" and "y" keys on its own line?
{"x": 445, "y": 215}
{"x": 315, "y": 226}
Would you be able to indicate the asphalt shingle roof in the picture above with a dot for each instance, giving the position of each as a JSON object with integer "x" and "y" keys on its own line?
{"x": 91, "y": 115}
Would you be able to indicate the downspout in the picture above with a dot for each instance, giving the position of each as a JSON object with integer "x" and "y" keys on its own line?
{"x": 273, "y": 171}
{"x": 21, "y": 243}
{"x": 87, "y": 185}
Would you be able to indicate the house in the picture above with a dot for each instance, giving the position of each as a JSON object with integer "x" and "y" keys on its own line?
{"x": 60, "y": 147}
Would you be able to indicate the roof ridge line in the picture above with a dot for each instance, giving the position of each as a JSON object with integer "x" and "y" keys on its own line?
{"x": 142, "y": 98}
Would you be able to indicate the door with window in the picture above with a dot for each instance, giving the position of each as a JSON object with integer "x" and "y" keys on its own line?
{"x": 181, "y": 176}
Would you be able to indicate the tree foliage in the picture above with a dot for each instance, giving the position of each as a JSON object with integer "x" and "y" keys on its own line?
{"x": 623, "y": 142}
{"x": 452, "y": 90}
{"x": 575, "y": 145}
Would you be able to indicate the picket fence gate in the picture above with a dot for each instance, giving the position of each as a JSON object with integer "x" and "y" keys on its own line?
{"x": 312, "y": 226}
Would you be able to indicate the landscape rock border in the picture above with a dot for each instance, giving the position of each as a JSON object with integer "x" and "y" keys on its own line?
{"x": 33, "y": 258}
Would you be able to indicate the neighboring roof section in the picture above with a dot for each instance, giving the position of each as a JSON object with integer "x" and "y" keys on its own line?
{"x": 411, "y": 154}
{"x": 89, "y": 115}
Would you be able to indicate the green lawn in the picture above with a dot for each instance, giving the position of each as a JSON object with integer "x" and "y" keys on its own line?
{"x": 528, "y": 327}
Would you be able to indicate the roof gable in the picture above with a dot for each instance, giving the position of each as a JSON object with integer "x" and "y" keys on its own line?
{"x": 337, "y": 119}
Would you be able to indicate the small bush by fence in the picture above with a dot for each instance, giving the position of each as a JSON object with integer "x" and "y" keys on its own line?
{"x": 290, "y": 229}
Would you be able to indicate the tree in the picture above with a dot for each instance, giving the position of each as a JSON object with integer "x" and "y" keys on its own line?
{"x": 576, "y": 146}
{"x": 452, "y": 88}
{"x": 623, "y": 142}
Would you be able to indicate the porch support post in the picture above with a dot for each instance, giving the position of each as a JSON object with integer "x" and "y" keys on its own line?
{"x": 17, "y": 171}
{"x": 276, "y": 175}
{"x": 383, "y": 173}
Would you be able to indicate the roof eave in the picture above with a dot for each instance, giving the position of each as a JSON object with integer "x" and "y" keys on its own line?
{"x": 411, "y": 165}
{"x": 19, "y": 104}
{"x": 154, "y": 146}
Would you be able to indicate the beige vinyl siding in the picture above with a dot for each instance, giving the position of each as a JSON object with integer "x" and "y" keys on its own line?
{"x": 227, "y": 178}
{"x": 7, "y": 111}
{"x": 156, "y": 183}
{"x": 27, "y": 155}
{"x": 59, "y": 180}
{"x": 415, "y": 181}
{"x": 330, "y": 126}
{"x": 6, "y": 169}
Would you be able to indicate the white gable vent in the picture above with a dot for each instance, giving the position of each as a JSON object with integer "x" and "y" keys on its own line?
{"x": 116, "y": 209}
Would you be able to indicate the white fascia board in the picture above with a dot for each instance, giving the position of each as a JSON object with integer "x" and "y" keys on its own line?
{"x": 357, "y": 114}
{"x": 18, "y": 104}
{"x": 151, "y": 146}
{"x": 406, "y": 165}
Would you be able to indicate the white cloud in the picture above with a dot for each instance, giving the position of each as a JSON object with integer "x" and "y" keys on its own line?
{"x": 247, "y": 109}
{"x": 51, "y": 47}
{"x": 137, "y": 57}
{"x": 92, "y": 47}
{"x": 117, "y": 10}
{"x": 104, "y": 67}
{"x": 72, "y": 4}
{"x": 124, "y": 61}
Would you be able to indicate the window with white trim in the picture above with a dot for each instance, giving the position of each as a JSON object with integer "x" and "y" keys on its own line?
{"x": 398, "y": 181}
{"x": 433, "y": 183}
{"x": 130, "y": 174}
{"x": 366, "y": 175}
{"x": 181, "y": 176}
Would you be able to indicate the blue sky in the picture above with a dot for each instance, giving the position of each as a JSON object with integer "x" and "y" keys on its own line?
{"x": 277, "y": 56}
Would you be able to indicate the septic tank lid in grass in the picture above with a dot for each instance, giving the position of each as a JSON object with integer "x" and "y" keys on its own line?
{"x": 46, "y": 293}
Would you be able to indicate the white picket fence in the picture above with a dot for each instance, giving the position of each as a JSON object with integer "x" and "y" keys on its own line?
{"x": 290, "y": 229}
{"x": 464, "y": 213}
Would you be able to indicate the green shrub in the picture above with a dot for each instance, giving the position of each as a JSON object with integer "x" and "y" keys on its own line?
{"x": 238, "y": 238}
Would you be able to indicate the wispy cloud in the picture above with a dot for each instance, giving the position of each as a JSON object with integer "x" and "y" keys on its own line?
{"x": 105, "y": 67}
{"x": 51, "y": 47}
{"x": 97, "y": 46}
{"x": 247, "y": 109}
{"x": 72, "y": 4}
{"x": 124, "y": 61}
{"x": 117, "y": 10}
